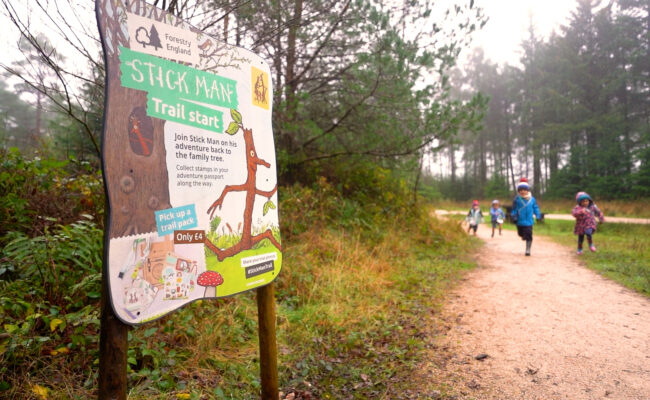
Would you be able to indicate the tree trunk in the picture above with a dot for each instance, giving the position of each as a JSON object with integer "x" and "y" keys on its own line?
{"x": 537, "y": 166}
{"x": 553, "y": 159}
{"x": 291, "y": 82}
{"x": 417, "y": 179}
{"x": 39, "y": 112}
{"x": 482, "y": 168}
{"x": 509, "y": 169}
{"x": 137, "y": 178}
{"x": 452, "y": 162}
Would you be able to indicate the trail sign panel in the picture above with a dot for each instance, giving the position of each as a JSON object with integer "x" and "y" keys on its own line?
{"x": 189, "y": 164}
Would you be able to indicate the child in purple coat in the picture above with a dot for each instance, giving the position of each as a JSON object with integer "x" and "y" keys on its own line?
{"x": 585, "y": 214}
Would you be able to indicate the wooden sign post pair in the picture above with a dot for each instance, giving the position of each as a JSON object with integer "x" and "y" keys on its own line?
{"x": 114, "y": 347}
{"x": 189, "y": 169}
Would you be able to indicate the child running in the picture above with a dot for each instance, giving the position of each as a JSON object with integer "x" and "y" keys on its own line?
{"x": 523, "y": 207}
{"x": 585, "y": 213}
{"x": 496, "y": 216}
{"x": 474, "y": 217}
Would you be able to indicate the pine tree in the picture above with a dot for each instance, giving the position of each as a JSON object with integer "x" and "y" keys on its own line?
{"x": 154, "y": 39}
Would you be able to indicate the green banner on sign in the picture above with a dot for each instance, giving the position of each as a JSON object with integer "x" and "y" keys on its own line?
{"x": 177, "y": 92}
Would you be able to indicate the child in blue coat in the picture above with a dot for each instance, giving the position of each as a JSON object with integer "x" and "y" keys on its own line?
{"x": 524, "y": 206}
{"x": 496, "y": 216}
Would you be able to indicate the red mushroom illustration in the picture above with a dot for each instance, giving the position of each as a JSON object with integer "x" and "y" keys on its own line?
{"x": 210, "y": 280}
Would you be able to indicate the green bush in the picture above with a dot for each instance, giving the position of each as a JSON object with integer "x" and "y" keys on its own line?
{"x": 50, "y": 287}
{"x": 40, "y": 193}
{"x": 363, "y": 196}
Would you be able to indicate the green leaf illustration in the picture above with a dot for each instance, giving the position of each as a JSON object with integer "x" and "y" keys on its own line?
{"x": 267, "y": 206}
{"x": 236, "y": 116}
{"x": 232, "y": 128}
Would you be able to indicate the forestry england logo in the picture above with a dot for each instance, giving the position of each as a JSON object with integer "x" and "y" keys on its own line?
{"x": 148, "y": 37}
{"x": 162, "y": 40}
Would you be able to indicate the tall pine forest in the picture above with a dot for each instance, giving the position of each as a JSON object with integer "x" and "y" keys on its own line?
{"x": 573, "y": 114}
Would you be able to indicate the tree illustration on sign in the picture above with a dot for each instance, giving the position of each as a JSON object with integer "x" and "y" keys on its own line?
{"x": 154, "y": 39}
{"x": 148, "y": 38}
{"x": 250, "y": 187}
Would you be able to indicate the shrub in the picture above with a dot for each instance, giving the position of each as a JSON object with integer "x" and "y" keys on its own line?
{"x": 50, "y": 287}
{"x": 39, "y": 193}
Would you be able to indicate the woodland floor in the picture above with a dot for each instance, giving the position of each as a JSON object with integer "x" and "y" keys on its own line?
{"x": 542, "y": 327}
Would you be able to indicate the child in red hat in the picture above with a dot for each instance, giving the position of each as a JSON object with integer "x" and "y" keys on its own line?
{"x": 524, "y": 206}
{"x": 474, "y": 217}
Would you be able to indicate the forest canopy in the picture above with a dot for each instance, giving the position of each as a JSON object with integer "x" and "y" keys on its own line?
{"x": 379, "y": 82}
{"x": 353, "y": 80}
{"x": 573, "y": 115}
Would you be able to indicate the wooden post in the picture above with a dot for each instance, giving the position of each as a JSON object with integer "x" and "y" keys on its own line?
{"x": 113, "y": 348}
{"x": 268, "y": 345}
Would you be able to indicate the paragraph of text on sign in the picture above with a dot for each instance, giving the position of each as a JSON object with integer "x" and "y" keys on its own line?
{"x": 192, "y": 149}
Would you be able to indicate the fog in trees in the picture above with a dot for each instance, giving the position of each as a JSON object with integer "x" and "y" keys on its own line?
{"x": 573, "y": 115}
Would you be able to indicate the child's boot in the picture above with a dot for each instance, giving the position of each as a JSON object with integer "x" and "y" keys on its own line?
{"x": 579, "y": 252}
{"x": 528, "y": 244}
{"x": 591, "y": 243}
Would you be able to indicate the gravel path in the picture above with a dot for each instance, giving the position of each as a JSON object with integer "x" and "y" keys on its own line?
{"x": 551, "y": 329}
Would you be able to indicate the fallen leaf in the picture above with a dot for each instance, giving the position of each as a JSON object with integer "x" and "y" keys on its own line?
{"x": 54, "y": 323}
{"x": 40, "y": 391}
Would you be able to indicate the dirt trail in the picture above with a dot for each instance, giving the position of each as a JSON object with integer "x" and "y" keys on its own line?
{"x": 551, "y": 328}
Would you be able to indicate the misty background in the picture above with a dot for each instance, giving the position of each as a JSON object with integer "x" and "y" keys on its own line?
{"x": 457, "y": 99}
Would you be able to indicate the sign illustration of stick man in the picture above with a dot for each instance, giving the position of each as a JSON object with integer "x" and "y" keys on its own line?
{"x": 250, "y": 187}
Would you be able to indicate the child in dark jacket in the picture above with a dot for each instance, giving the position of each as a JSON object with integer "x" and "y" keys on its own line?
{"x": 523, "y": 207}
{"x": 585, "y": 213}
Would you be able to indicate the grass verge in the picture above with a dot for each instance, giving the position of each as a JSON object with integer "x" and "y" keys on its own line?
{"x": 350, "y": 321}
{"x": 357, "y": 328}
